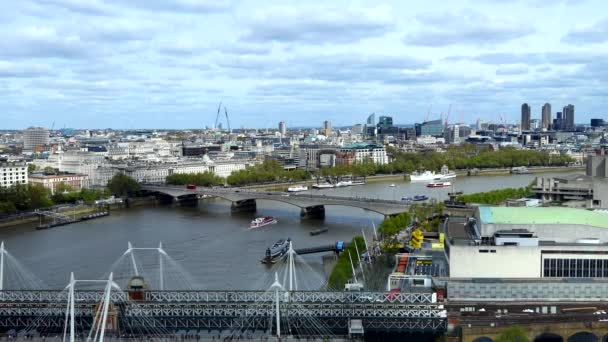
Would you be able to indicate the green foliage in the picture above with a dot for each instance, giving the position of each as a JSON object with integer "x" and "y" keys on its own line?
{"x": 49, "y": 170}
{"x": 202, "y": 179}
{"x": 466, "y": 156}
{"x": 342, "y": 271}
{"x": 513, "y": 333}
{"x": 31, "y": 168}
{"x": 393, "y": 225}
{"x": 39, "y": 196}
{"x": 496, "y": 196}
{"x": 24, "y": 197}
{"x": 123, "y": 185}
{"x": 268, "y": 171}
{"x": 427, "y": 216}
{"x": 7, "y": 208}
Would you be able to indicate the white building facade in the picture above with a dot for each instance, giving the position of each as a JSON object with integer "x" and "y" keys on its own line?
{"x": 12, "y": 173}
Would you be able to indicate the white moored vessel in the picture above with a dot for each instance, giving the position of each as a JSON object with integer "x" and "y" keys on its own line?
{"x": 297, "y": 188}
{"x": 343, "y": 184}
{"x": 432, "y": 176}
{"x": 323, "y": 186}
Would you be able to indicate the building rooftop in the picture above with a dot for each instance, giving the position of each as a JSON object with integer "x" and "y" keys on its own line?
{"x": 543, "y": 215}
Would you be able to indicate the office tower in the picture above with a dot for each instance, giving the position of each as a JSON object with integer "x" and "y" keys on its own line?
{"x": 525, "y": 117}
{"x": 34, "y": 137}
{"x": 546, "y": 116}
{"x": 327, "y": 128}
{"x": 282, "y": 128}
{"x": 371, "y": 120}
{"x": 385, "y": 122}
{"x": 568, "y": 117}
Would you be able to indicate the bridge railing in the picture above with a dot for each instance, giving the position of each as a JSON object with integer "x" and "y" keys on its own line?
{"x": 54, "y": 296}
{"x": 37, "y": 296}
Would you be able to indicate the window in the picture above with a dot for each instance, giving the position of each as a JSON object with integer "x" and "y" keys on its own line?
{"x": 575, "y": 268}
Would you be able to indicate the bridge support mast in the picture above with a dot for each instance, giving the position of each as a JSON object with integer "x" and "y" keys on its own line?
{"x": 276, "y": 286}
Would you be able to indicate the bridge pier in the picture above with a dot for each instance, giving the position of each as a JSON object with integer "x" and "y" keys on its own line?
{"x": 316, "y": 211}
{"x": 188, "y": 200}
{"x": 248, "y": 205}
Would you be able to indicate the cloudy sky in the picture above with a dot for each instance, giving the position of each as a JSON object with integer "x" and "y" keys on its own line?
{"x": 168, "y": 63}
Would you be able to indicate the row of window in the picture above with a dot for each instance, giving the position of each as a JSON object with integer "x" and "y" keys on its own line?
{"x": 12, "y": 182}
{"x": 575, "y": 268}
{"x": 16, "y": 177}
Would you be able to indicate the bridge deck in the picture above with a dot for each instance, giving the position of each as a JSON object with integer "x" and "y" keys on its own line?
{"x": 302, "y": 200}
{"x": 248, "y": 310}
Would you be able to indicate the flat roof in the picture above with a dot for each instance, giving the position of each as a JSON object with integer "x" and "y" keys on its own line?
{"x": 542, "y": 215}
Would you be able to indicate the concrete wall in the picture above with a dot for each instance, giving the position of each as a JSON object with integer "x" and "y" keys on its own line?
{"x": 520, "y": 290}
{"x": 504, "y": 262}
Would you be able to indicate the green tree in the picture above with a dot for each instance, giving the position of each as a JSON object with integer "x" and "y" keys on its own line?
{"x": 50, "y": 171}
{"x": 39, "y": 196}
{"x": 342, "y": 271}
{"x": 123, "y": 185}
{"x": 31, "y": 168}
{"x": 514, "y": 333}
{"x": 7, "y": 208}
{"x": 202, "y": 179}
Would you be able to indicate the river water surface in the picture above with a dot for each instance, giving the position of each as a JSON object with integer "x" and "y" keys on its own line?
{"x": 213, "y": 245}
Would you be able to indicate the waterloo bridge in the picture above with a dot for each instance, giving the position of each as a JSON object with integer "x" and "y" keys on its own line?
{"x": 311, "y": 205}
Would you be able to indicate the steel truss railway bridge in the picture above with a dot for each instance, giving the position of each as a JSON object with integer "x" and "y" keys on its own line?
{"x": 241, "y": 312}
{"x": 311, "y": 205}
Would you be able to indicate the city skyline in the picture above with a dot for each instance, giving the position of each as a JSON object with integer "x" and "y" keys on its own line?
{"x": 167, "y": 64}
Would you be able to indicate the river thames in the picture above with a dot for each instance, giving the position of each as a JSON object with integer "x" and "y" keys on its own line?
{"x": 213, "y": 245}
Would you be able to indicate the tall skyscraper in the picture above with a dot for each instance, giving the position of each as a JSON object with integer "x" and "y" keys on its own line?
{"x": 34, "y": 137}
{"x": 525, "y": 117}
{"x": 385, "y": 122}
{"x": 546, "y": 116}
{"x": 327, "y": 128}
{"x": 282, "y": 128}
{"x": 371, "y": 120}
{"x": 568, "y": 117}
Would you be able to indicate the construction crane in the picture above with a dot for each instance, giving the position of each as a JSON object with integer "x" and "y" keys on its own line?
{"x": 428, "y": 113}
{"x": 217, "y": 117}
{"x": 448, "y": 115}
{"x": 227, "y": 119}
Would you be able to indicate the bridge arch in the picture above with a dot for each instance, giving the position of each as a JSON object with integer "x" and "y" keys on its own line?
{"x": 483, "y": 339}
{"x": 583, "y": 336}
{"x": 548, "y": 337}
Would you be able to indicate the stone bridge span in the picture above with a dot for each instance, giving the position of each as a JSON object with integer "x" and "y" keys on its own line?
{"x": 311, "y": 205}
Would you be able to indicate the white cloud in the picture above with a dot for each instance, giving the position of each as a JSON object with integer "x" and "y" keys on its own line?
{"x": 318, "y": 25}
{"x": 465, "y": 28}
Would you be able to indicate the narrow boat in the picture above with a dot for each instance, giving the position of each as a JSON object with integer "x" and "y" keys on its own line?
{"x": 420, "y": 198}
{"x": 407, "y": 199}
{"x": 319, "y": 231}
{"x": 438, "y": 184}
{"x": 323, "y": 186}
{"x": 297, "y": 188}
{"x": 262, "y": 221}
